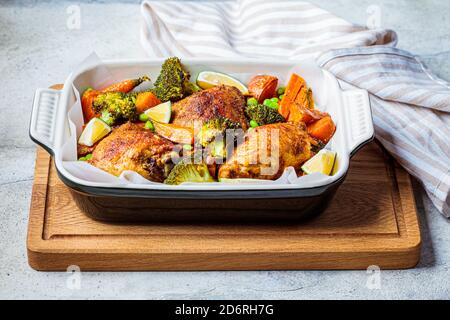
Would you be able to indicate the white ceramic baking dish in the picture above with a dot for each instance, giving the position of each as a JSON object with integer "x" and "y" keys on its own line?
{"x": 350, "y": 110}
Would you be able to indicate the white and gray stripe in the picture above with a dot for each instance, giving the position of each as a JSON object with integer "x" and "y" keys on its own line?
{"x": 411, "y": 107}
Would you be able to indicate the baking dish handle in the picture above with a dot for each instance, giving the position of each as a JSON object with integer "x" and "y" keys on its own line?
{"x": 358, "y": 119}
{"x": 43, "y": 118}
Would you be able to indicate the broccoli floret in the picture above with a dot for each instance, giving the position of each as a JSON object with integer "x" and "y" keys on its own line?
{"x": 263, "y": 114}
{"x": 173, "y": 81}
{"x": 190, "y": 88}
{"x": 212, "y": 128}
{"x": 189, "y": 172}
{"x": 219, "y": 149}
{"x": 116, "y": 106}
{"x": 108, "y": 117}
{"x": 213, "y": 133}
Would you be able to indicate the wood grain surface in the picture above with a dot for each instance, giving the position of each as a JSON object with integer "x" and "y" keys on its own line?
{"x": 371, "y": 221}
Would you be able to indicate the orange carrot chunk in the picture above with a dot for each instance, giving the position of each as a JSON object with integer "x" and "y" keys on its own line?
{"x": 299, "y": 113}
{"x": 125, "y": 86}
{"x": 294, "y": 86}
{"x": 146, "y": 100}
{"x": 86, "y": 104}
{"x": 322, "y": 129}
{"x": 302, "y": 109}
{"x": 305, "y": 98}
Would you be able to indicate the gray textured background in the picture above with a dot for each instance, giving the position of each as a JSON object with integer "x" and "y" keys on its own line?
{"x": 36, "y": 50}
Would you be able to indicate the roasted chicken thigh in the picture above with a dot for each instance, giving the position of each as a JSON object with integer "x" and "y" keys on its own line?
{"x": 217, "y": 102}
{"x": 267, "y": 150}
{"x": 132, "y": 147}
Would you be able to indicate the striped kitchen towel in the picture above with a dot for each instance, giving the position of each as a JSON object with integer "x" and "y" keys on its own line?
{"x": 411, "y": 107}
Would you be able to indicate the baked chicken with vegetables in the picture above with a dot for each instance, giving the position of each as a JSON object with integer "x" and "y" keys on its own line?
{"x": 232, "y": 130}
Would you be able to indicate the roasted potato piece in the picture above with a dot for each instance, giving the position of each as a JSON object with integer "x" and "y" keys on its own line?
{"x": 322, "y": 129}
{"x": 263, "y": 87}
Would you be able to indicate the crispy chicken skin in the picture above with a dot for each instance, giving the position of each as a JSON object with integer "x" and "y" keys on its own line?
{"x": 267, "y": 150}
{"x": 132, "y": 147}
{"x": 217, "y": 102}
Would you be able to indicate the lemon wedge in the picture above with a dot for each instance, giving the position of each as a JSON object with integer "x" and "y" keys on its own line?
{"x": 95, "y": 130}
{"x": 322, "y": 162}
{"x": 161, "y": 112}
{"x": 208, "y": 79}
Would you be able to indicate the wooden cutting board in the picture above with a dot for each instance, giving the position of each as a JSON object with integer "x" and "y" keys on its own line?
{"x": 371, "y": 221}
